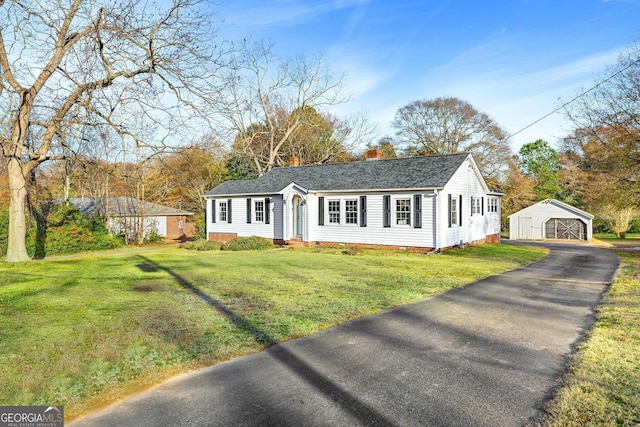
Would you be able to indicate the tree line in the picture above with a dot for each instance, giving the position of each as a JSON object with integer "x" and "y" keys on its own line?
{"x": 144, "y": 100}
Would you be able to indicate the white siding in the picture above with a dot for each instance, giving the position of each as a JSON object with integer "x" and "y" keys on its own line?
{"x": 534, "y": 217}
{"x": 157, "y": 222}
{"x": 433, "y": 233}
{"x": 129, "y": 224}
{"x": 374, "y": 233}
{"x": 239, "y": 223}
{"x": 466, "y": 183}
{"x": 492, "y": 219}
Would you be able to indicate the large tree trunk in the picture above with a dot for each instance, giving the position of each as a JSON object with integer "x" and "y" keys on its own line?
{"x": 17, "y": 248}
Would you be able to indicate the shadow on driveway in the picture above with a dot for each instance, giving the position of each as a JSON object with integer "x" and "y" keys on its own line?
{"x": 490, "y": 353}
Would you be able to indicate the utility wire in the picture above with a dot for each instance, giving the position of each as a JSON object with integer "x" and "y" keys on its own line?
{"x": 637, "y": 61}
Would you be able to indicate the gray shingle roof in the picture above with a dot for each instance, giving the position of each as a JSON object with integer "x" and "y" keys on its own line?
{"x": 122, "y": 206}
{"x": 393, "y": 174}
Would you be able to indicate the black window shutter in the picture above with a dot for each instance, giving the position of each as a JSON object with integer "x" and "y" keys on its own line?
{"x": 229, "y": 211}
{"x": 386, "y": 207}
{"x": 267, "y": 210}
{"x": 449, "y": 210}
{"x": 471, "y": 210}
{"x": 460, "y": 212}
{"x": 482, "y": 204}
{"x": 320, "y": 210}
{"x": 417, "y": 211}
{"x": 363, "y": 211}
{"x": 213, "y": 211}
{"x": 248, "y": 211}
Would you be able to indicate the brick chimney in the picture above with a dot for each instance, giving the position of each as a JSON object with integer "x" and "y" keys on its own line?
{"x": 374, "y": 154}
{"x": 294, "y": 162}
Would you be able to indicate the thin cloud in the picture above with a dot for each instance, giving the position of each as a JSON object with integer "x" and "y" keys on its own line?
{"x": 278, "y": 13}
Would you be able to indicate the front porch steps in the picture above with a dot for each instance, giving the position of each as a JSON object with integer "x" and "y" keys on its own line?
{"x": 295, "y": 243}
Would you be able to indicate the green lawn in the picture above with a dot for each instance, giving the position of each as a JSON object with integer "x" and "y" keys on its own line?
{"x": 603, "y": 388}
{"x": 84, "y": 331}
{"x": 611, "y": 238}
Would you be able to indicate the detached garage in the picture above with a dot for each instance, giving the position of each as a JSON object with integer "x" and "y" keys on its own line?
{"x": 551, "y": 219}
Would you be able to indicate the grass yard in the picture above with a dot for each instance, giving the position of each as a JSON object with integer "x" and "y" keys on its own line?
{"x": 630, "y": 239}
{"x": 85, "y": 331}
{"x": 603, "y": 388}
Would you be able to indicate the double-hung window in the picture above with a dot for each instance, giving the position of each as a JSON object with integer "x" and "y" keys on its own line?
{"x": 258, "y": 209}
{"x": 493, "y": 204}
{"x": 334, "y": 211}
{"x": 351, "y": 212}
{"x": 403, "y": 211}
{"x": 222, "y": 212}
{"x": 453, "y": 211}
{"x": 476, "y": 208}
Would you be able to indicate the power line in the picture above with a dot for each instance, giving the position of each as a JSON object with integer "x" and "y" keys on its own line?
{"x": 637, "y": 61}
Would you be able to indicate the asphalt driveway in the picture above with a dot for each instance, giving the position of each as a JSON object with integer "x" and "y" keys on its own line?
{"x": 486, "y": 354}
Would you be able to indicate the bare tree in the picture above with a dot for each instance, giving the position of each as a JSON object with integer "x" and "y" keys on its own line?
{"x": 73, "y": 64}
{"x": 448, "y": 126}
{"x": 266, "y": 100}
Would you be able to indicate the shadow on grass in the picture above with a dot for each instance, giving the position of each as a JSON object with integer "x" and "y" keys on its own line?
{"x": 303, "y": 370}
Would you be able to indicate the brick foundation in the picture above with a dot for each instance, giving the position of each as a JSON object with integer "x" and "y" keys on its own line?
{"x": 221, "y": 237}
{"x": 492, "y": 238}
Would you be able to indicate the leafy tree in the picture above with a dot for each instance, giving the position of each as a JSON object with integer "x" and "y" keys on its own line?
{"x": 239, "y": 166}
{"x": 387, "y": 148}
{"x": 600, "y": 161}
{"x": 518, "y": 190}
{"x": 449, "y": 126}
{"x": 539, "y": 161}
{"x": 317, "y": 140}
{"x": 70, "y": 69}
{"x": 179, "y": 179}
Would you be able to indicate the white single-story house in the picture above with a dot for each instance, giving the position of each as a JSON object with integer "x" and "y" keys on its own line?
{"x": 551, "y": 219}
{"x": 126, "y": 214}
{"x": 429, "y": 202}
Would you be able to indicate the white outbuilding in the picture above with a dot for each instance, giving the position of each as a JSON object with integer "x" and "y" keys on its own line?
{"x": 551, "y": 219}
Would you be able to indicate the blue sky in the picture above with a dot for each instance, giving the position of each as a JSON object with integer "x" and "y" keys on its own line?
{"x": 515, "y": 60}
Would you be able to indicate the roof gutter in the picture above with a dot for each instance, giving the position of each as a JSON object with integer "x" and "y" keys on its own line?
{"x": 371, "y": 190}
{"x": 379, "y": 190}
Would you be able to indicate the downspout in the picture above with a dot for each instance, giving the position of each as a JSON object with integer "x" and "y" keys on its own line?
{"x": 436, "y": 222}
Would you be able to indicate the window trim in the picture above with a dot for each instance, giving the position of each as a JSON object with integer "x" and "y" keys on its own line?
{"x": 354, "y": 213}
{"x": 405, "y": 213}
{"x": 476, "y": 206}
{"x": 256, "y": 211}
{"x": 493, "y": 204}
{"x": 222, "y": 211}
{"x": 331, "y": 214}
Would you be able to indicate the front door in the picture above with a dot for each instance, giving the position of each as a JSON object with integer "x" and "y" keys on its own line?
{"x": 297, "y": 218}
